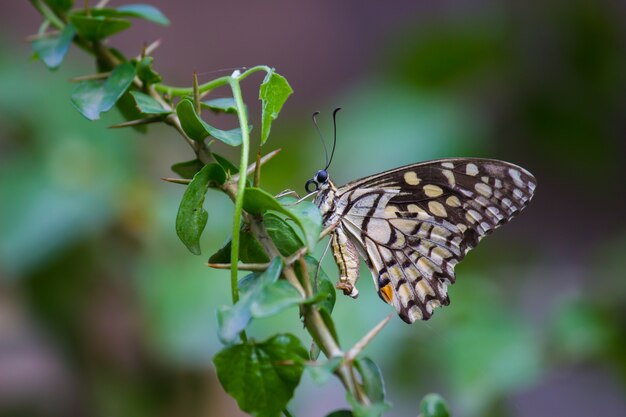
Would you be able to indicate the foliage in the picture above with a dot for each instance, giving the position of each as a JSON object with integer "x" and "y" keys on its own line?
{"x": 261, "y": 376}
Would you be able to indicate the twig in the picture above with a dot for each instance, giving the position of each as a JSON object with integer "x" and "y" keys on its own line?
{"x": 98, "y": 76}
{"x": 241, "y": 265}
{"x": 361, "y": 344}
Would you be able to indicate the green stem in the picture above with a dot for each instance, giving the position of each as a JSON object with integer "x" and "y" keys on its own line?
{"x": 213, "y": 84}
{"x": 241, "y": 185}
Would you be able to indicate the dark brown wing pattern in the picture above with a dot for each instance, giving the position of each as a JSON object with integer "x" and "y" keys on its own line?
{"x": 415, "y": 223}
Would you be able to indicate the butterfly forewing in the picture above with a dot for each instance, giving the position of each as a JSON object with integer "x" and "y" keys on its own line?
{"x": 415, "y": 223}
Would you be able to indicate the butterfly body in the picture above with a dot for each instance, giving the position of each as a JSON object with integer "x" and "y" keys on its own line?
{"x": 413, "y": 224}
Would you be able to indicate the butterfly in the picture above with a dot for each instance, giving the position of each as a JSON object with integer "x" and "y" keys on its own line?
{"x": 413, "y": 224}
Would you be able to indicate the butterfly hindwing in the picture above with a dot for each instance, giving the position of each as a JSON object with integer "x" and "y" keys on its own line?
{"x": 415, "y": 223}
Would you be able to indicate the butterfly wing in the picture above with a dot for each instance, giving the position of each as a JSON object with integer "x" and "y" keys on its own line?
{"x": 415, "y": 223}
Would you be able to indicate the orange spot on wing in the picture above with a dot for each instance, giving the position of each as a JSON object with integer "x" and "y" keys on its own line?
{"x": 387, "y": 293}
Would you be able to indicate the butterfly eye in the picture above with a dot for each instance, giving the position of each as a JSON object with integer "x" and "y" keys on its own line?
{"x": 308, "y": 184}
{"x": 321, "y": 176}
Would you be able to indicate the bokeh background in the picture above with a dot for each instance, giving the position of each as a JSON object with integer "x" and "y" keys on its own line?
{"x": 103, "y": 312}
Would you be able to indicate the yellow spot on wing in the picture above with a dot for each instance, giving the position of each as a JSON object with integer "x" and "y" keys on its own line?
{"x": 483, "y": 189}
{"x": 410, "y": 178}
{"x": 453, "y": 201}
{"x": 432, "y": 190}
{"x": 405, "y": 294}
{"x": 437, "y": 209}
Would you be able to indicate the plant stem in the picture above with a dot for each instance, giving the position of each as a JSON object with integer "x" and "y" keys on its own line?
{"x": 211, "y": 85}
{"x": 48, "y": 14}
{"x": 241, "y": 184}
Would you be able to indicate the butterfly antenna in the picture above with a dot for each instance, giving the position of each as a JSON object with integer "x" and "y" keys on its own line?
{"x": 332, "y": 153}
{"x": 319, "y": 132}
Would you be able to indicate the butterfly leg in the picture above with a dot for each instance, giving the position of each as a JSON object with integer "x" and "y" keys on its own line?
{"x": 287, "y": 192}
{"x": 347, "y": 258}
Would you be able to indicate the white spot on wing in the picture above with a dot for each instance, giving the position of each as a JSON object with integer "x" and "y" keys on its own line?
{"x": 471, "y": 169}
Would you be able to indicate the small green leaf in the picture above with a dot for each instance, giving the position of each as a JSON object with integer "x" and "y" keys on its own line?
{"x": 433, "y": 405}
{"x": 273, "y": 93}
{"x": 262, "y": 376}
{"x": 60, "y": 5}
{"x": 274, "y": 298}
{"x": 373, "y": 410}
{"x": 306, "y": 214}
{"x": 95, "y": 28}
{"x": 127, "y": 107}
{"x": 226, "y": 164}
{"x": 197, "y": 129}
{"x": 232, "y": 320}
{"x": 187, "y": 169}
{"x": 148, "y": 105}
{"x": 94, "y": 97}
{"x": 52, "y": 50}
{"x": 144, "y": 11}
{"x": 372, "y": 379}
{"x": 191, "y": 218}
{"x": 145, "y": 71}
{"x": 225, "y": 105}
{"x": 320, "y": 373}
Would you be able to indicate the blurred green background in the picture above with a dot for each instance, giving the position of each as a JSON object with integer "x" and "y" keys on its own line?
{"x": 103, "y": 312}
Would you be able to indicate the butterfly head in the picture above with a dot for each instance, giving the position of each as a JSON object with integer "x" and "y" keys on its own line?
{"x": 318, "y": 181}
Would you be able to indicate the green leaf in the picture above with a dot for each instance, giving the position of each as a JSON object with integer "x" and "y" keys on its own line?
{"x": 306, "y": 214}
{"x": 95, "y": 28}
{"x": 94, "y": 97}
{"x": 232, "y": 320}
{"x": 283, "y": 235}
{"x": 373, "y": 410}
{"x": 148, "y": 105}
{"x": 145, "y": 71}
{"x": 52, "y": 50}
{"x": 320, "y": 373}
{"x": 226, "y": 164}
{"x": 273, "y": 93}
{"x": 262, "y": 376}
{"x": 144, "y": 11}
{"x": 372, "y": 379}
{"x": 251, "y": 251}
{"x": 191, "y": 218}
{"x": 433, "y": 405}
{"x": 225, "y": 105}
{"x": 60, "y": 5}
{"x": 197, "y": 129}
{"x": 187, "y": 169}
{"x": 274, "y": 298}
